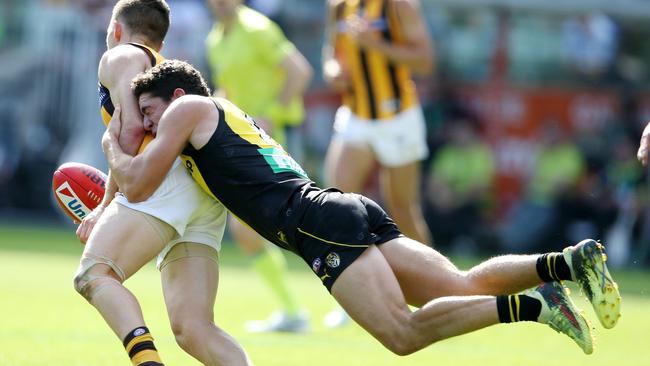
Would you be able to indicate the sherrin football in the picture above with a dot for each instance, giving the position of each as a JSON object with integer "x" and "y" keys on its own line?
{"x": 78, "y": 188}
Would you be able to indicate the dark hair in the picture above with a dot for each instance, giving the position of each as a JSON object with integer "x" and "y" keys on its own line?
{"x": 162, "y": 79}
{"x": 149, "y": 18}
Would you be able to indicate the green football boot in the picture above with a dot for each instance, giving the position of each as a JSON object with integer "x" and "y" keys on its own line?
{"x": 587, "y": 263}
{"x": 561, "y": 314}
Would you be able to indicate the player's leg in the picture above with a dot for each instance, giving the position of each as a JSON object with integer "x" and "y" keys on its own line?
{"x": 401, "y": 192}
{"x": 369, "y": 291}
{"x": 415, "y": 264}
{"x": 348, "y": 166}
{"x": 371, "y": 294}
{"x": 122, "y": 241}
{"x": 270, "y": 263}
{"x": 190, "y": 277}
{"x": 400, "y": 145}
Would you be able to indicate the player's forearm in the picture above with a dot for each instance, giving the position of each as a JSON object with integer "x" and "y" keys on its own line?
{"x": 418, "y": 58}
{"x": 299, "y": 74}
{"x": 126, "y": 170}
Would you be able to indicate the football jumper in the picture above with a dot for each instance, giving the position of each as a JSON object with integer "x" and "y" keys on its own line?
{"x": 380, "y": 88}
{"x": 254, "y": 177}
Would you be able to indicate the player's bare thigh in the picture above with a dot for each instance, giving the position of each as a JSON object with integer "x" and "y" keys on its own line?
{"x": 423, "y": 273}
{"x": 401, "y": 185}
{"x": 190, "y": 277}
{"x": 371, "y": 295}
{"x": 348, "y": 165}
{"x": 401, "y": 193}
{"x": 127, "y": 238}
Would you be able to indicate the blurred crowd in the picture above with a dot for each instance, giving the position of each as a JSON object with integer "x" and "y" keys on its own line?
{"x": 574, "y": 180}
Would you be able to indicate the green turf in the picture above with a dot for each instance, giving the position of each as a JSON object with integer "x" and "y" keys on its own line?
{"x": 44, "y": 322}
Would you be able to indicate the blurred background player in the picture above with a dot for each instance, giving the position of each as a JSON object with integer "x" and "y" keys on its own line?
{"x": 256, "y": 67}
{"x": 370, "y": 50}
{"x": 122, "y": 237}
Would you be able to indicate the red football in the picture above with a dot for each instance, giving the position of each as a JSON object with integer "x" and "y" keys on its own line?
{"x": 78, "y": 189}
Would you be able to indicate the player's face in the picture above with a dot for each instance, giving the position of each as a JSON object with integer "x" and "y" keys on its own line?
{"x": 152, "y": 108}
{"x": 224, "y": 9}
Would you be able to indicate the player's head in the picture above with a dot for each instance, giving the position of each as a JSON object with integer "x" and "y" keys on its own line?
{"x": 160, "y": 85}
{"x": 224, "y": 9}
{"x": 146, "y": 19}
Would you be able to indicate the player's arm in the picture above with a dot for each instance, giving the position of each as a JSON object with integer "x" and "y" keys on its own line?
{"x": 416, "y": 52}
{"x": 333, "y": 72}
{"x": 139, "y": 176}
{"x": 116, "y": 70}
{"x": 275, "y": 50}
{"x": 644, "y": 146}
{"x": 299, "y": 73}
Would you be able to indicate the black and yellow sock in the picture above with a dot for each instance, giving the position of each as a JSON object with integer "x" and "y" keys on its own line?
{"x": 551, "y": 267}
{"x": 139, "y": 345}
{"x": 517, "y": 308}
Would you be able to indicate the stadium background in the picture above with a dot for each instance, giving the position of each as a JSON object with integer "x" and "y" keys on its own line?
{"x": 520, "y": 80}
{"x": 527, "y": 77}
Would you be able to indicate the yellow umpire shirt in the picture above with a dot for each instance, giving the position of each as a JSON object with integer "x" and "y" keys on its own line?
{"x": 245, "y": 63}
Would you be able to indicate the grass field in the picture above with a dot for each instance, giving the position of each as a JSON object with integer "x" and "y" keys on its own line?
{"x": 44, "y": 322}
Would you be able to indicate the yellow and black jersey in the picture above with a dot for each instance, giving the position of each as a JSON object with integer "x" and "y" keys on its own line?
{"x": 248, "y": 172}
{"x": 106, "y": 104}
{"x": 379, "y": 88}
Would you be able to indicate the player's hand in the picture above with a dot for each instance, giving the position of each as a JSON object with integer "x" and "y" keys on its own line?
{"x": 88, "y": 223}
{"x": 360, "y": 31}
{"x": 335, "y": 76}
{"x": 112, "y": 133}
{"x": 644, "y": 146}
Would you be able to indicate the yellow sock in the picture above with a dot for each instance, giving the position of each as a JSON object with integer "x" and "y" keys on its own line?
{"x": 139, "y": 345}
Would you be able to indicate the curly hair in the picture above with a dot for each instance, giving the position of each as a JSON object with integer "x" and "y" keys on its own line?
{"x": 149, "y": 18}
{"x": 162, "y": 79}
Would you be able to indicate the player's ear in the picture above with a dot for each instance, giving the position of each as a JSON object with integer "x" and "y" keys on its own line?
{"x": 178, "y": 92}
{"x": 117, "y": 31}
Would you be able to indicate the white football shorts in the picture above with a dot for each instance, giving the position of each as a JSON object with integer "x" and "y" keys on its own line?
{"x": 182, "y": 204}
{"x": 395, "y": 141}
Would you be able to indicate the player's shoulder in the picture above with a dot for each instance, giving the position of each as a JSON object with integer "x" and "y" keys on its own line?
{"x": 119, "y": 56}
{"x": 119, "y": 60}
{"x": 253, "y": 20}
{"x": 125, "y": 52}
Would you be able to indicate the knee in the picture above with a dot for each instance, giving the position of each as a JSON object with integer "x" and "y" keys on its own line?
{"x": 402, "y": 346}
{"x": 188, "y": 331}
{"x": 480, "y": 282}
{"x": 90, "y": 277}
{"x": 403, "y": 208}
{"x": 402, "y": 342}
